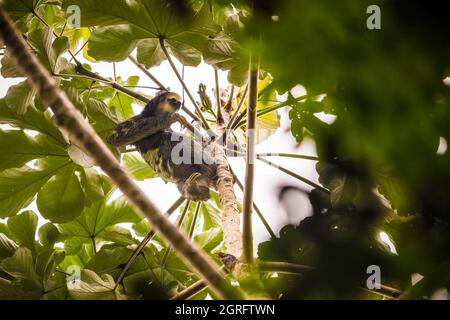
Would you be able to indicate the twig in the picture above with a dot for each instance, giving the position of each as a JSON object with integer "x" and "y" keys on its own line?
{"x": 258, "y": 212}
{"x": 219, "y": 116}
{"x": 239, "y": 122}
{"x": 69, "y": 118}
{"x": 180, "y": 221}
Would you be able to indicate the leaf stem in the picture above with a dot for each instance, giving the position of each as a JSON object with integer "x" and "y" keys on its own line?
{"x": 147, "y": 73}
{"x": 236, "y": 112}
{"x": 239, "y": 122}
{"x": 144, "y": 242}
{"x": 292, "y": 174}
{"x": 183, "y": 84}
{"x": 180, "y": 221}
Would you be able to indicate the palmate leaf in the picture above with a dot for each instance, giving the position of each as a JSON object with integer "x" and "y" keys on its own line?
{"x": 94, "y": 221}
{"x": 17, "y": 148}
{"x": 223, "y": 51}
{"x": 138, "y": 168}
{"x": 123, "y": 103}
{"x": 109, "y": 260}
{"x": 48, "y": 50}
{"x": 32, "y": 278}
{"x": 19, "y": 186}
{"x": 24, "y": 226}
{"x": 33, "y": 119}
{"x": 20, "y": 96}
{"x": 123, "y": 25}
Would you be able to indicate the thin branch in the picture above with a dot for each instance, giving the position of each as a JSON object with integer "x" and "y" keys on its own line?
{"x": 236, "y": 112}
{"x": 147, "y": 73}
{"x": 219, "y": 116}
{"x": 174, "y": 68}
{"x": 285, "y": 268}
{"x": 53, "y": 31}
{"x": 194, "y": 220}
{"x": 180, "y": 221}
{"x": 287, "y": 155}
{"x": 71, "y": 120}
{"x": 292, "y": 174}
{"x": 144, "y": 242}
{"x": 247, "y": 232}
{"x": 239, "y": 122}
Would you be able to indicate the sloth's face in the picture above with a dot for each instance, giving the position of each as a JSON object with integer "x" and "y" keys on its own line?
{"x": 171, "y": 103}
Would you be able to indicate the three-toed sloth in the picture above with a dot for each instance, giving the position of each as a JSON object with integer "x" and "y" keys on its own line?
{"x": 151, "y": 134}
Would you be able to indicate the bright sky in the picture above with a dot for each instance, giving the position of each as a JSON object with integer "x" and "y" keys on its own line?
{"x": 268, "y": 180}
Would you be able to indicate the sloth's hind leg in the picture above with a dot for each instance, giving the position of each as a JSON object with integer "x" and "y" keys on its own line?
{"x": 195, "y": 188}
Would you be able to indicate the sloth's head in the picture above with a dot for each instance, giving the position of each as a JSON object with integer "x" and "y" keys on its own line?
{"x": 166, "y": 102}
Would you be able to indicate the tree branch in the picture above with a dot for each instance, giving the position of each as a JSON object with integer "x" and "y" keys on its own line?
{"x": 147, "y": 73}
{"x": 69, "y": 118}
{"x": 258, "y": 212}
{"x": 292, "y": 174}
{"x": 247, "y": 232}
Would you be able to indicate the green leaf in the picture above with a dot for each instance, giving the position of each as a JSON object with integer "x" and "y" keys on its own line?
{"x": 209, "y": 240}
{"x": 33, "y": 119}
{"x": 61, "y": 199}
{"x": 95, "y": 219}
{"x": 19, "y": 186}
{"x": 17, "y": 148}
{"x": 93, "y": 287}
{"x": 117, "y": 235}
{"x": 48, "y": 234}
{"x": 138, "y": 168}
{"x": 24, "y": 226}
{"x": 21, "y": 267}
{"x": 19, "y": 9}
{"x": 121, "y": 25}
{"x": 103, "y": 42}
{"x": 92, "y": 183}
{"x": 49, "y": 49}
{"x": 109, "y": 260}
{"x": 150, "y": 53}
{"x": 8, "y": 68}
{"x": 123, "y": 103}
{"x": 20, "y": 96}
{"x": 7, "y": 246}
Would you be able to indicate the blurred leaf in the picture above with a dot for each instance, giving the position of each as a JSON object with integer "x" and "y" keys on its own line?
{"x": 48, "y": 234}
{"x": 24, "y": 226}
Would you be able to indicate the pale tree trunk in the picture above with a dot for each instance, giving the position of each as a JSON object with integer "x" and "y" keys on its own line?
{"x": 72, "y": 121}
{"x": 231, "y": 222}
